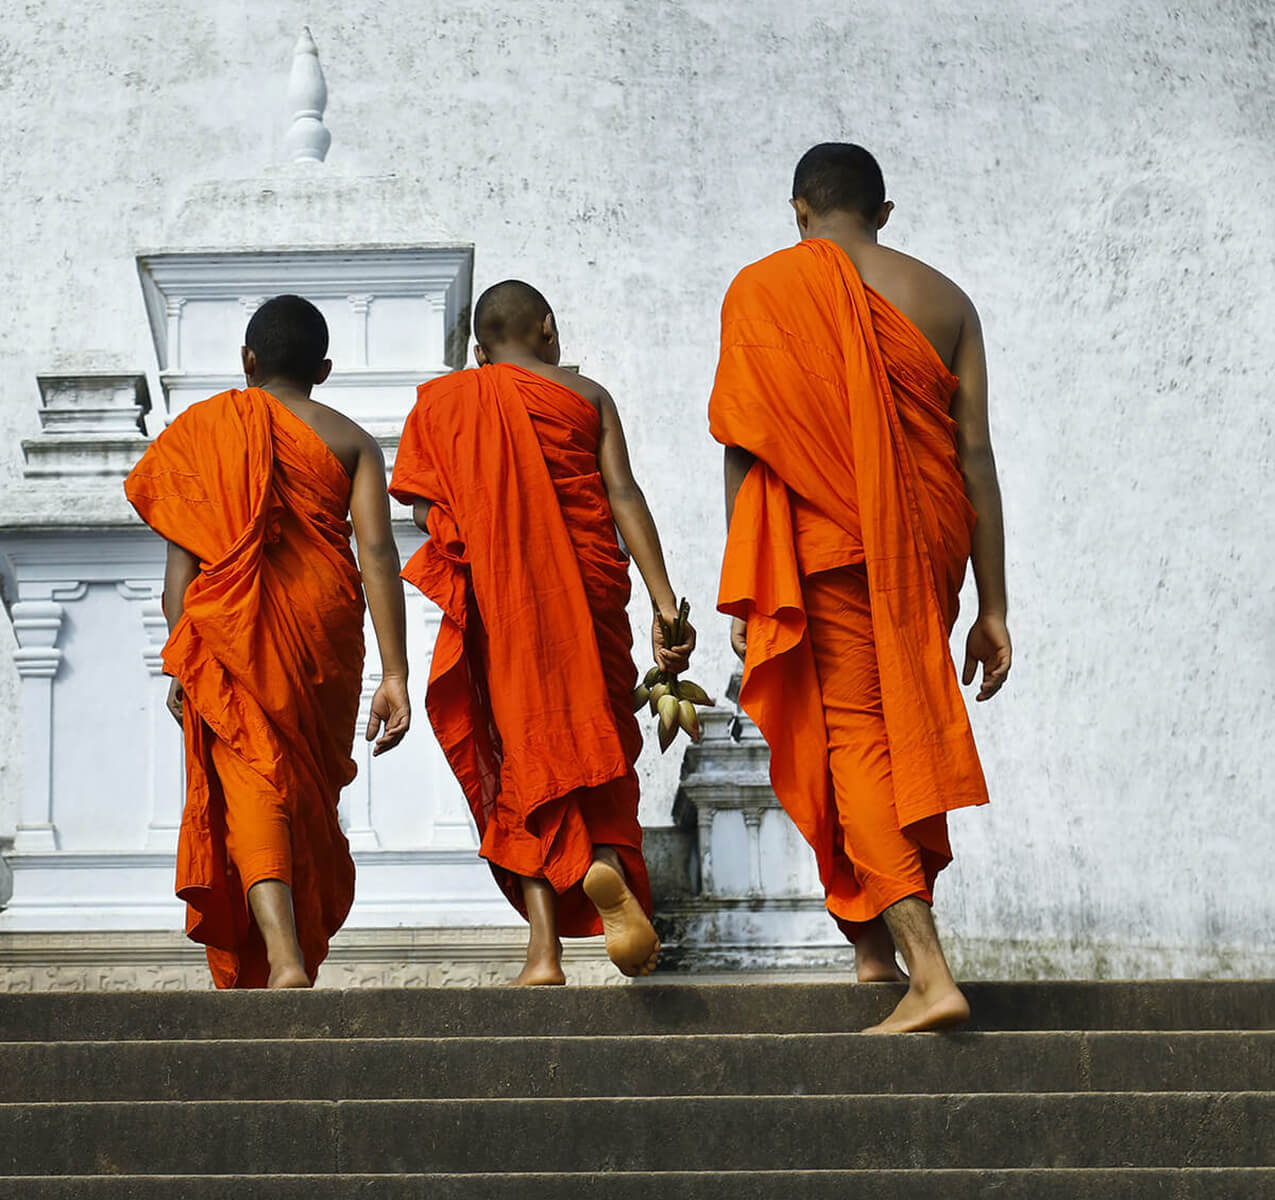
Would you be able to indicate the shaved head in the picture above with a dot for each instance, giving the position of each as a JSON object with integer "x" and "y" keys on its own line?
{"x": 506, "y": 312}
{"x": 290, "y": 339}
{"x": 840, "y": 177}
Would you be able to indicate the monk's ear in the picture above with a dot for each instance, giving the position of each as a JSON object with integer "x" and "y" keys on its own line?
{"x": 549, "y": 328}
{"x": 249, "y": 360}
{"x": 802, "y": 209}
{"x": 886, "y": 209}
{"x": 325, "y": 369}
{"x": 480, "y": 355}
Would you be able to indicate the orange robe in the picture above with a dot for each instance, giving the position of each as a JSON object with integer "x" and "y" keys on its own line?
{"x": 846, "y": 553}
{"x": 530, "y": 690}
{"x": 269, "y": 653}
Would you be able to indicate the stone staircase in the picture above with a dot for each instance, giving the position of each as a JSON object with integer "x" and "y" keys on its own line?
{"x": 737, "y": 1091}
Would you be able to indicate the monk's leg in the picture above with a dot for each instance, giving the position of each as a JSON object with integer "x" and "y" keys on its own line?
{"x": 932, "y": 1001}
{"x": 874, "y": 954}
{"x": 259, "y": 843}
{"x": 839, "y": 617}
{"x": 632, "y": 943}
{"x": 271, "y": 904}
{"x": 543, "y": 967}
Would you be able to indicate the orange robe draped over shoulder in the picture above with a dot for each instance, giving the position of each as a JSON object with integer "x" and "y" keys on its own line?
{"x": 530, "y": 690}
{"x": 844, "y": 403}
{"x": 269, "y": 653}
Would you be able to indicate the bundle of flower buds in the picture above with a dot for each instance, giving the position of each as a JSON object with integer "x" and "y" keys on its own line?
{"x": 671, "y": 699}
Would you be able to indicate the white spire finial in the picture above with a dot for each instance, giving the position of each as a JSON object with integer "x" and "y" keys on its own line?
{"x": 308, "y": 139}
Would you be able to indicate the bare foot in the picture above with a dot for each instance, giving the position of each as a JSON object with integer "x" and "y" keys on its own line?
{"x": 542, "y": 969}
{"x": 290, "y": 976}
{"x": 631, "y": 940}
{"x": 938, "y": 1008}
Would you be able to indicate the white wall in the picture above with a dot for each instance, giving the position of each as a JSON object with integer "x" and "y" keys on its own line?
{"x": 1099, "y": 179}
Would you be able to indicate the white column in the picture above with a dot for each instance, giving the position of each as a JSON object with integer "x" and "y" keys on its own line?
{"x": 36, "y": 625}
{"x": 360, "y": 304}
{"x": 704, "y": 821}
{"x": 357, "y": 798}
{"x": 173, "y": 306}
{"x": 752, "y": 822}
{"x": 166, "y": 769}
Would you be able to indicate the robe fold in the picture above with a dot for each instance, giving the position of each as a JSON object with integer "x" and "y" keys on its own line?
{"x": 844, "y": 404}
{"x": 531, "y": 684}
{"x": 269, "y": 654}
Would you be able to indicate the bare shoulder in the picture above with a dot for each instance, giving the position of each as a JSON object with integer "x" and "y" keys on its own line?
{"x": 923, "y": 277}
{"x": 347, "y": 439}
{"x": 590, "y": 389}
{"x": 932, "y": 301}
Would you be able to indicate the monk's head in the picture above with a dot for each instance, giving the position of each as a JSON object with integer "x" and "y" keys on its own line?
{"x": 286, "y": 342}
{"x": 512, "y": 320}
{"x": 838, "y": 183}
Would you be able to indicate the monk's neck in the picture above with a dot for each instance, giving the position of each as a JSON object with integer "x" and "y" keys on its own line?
{"x": 851, "y": 235}
{"x": 517, "y": 358}
{"x": 282, "y": 390}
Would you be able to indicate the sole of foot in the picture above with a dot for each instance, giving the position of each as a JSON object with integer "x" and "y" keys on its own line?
{"x": 289, "y": 977}
{"x": 632, "y": 943}
{"x": 917, "y": 1013}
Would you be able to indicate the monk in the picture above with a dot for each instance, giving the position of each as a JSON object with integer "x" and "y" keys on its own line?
{"x": 264, "y": 602}
{"x": 519, "y": 473}
{"x": 851, "y": 397}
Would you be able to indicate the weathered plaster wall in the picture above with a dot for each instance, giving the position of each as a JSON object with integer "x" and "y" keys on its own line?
{"x": 1098, "y": 176}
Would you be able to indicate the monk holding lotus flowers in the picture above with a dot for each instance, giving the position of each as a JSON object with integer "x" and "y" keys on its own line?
{"x": 519, "y": 473}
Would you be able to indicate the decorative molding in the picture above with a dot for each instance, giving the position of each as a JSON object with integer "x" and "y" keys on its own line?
{"x": 139, "y": 589}
{"x": 308, "y": 139}
{"x": 392, "y": 348}
{"x": 92, "y": 426}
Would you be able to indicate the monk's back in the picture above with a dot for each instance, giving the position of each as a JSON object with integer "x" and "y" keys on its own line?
{"x": 931, "y": 301}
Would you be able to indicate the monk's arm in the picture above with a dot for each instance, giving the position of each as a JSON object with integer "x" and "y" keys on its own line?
{"x": 637, "y": 528}
{"x": 379, "y": 566}
{"x": 737, "y": 462}
{"x": 988, "y": 641}
{"x": 180, "y": 571}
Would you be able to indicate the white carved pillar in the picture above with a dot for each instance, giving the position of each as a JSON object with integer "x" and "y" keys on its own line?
{"x": 308, "y": 139}
{"x": 250, "y": 304}
{"x": 360, "y": 304}
{"x": 434, "y": 349}
{"x": 752, "y": 822}
{"x": 704, "y": 822}
{"x": 166, "y": 770}
{"x": 357, "y": 798}
{"x": 36, "y": 625}
{"x": 173, "y": 306}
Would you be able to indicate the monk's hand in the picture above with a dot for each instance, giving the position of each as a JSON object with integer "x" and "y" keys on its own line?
{"x": 175, "y": 699}
{"x": 391, "y": 714}
{"x": 739, "y": 637}
{"x": 988, "y": 643}
{"x": 671, "y": 659}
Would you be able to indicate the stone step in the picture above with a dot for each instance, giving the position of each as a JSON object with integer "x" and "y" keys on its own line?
{"x": 642, "y": 1009}
{"x": 1033, "y": 1184}
{"x": 751, "y": 1133}
{"x": 697, "y": 1065}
